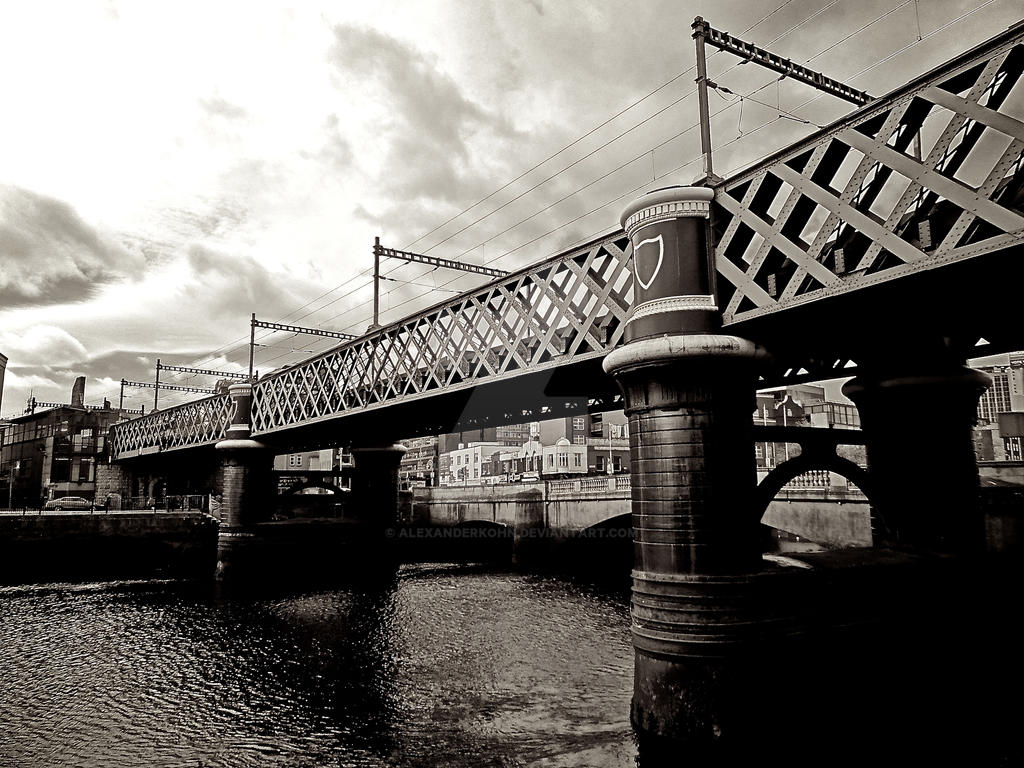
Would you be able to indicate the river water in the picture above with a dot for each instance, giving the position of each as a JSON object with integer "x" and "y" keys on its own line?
{"x": 438, "y": 664}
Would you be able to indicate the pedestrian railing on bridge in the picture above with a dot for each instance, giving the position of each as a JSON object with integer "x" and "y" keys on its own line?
{"x": 173, "y": 503}
{"x": 124, "y": 504}
{"x": 589, "y": 486}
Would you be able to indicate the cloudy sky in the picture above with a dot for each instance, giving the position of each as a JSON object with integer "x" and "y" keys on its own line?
{"x": 166, "y": 169}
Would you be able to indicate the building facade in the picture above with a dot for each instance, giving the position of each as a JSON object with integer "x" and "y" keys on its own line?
{"x": 54, "y": 453}
{"x": 3, "y": 370}
{"x": 564, "y": 459}
{"x": 307, "y": 461}
{"x": 471, "y": 465}
{"x": 998, "y": 435}
{"x": 1006, "y": 395}
{"x": 419, "y": 465}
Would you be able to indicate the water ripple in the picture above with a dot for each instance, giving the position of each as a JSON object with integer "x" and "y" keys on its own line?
{"x": 437, "y": 664}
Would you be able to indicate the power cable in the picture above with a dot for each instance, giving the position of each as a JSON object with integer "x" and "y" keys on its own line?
{"x": 931, "y": 34}
{"x": 587, "y": 134}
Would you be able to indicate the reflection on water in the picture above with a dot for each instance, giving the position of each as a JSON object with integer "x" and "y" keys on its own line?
{"x": 439, "y": 664}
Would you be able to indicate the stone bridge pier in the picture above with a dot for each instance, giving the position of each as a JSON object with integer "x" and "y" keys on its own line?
{"x": 249, "y": 545}
{"x": 375, "y": 485}
{"x": 917, "y": 409}
{"x": 711, "y": 616}
{"x": 689, "y": 391}
{"x": 247, "y": 486}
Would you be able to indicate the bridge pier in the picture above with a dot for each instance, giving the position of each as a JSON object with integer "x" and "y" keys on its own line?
{"x": 917, "y": 423}
{"x": 375, "y": 485}
{"x": 529, "y": 534}
{"x": 698, "y": 576}
{"x": 246, "y": 486}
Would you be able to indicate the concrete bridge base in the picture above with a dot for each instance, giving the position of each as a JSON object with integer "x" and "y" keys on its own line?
{"x": 891, "y": 659}
{"x": 251, "y": 547}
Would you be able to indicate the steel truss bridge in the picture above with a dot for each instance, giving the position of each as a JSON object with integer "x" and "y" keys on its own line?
{"x": 832, "y": 246}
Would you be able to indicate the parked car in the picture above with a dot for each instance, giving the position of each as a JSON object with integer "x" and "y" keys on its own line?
{"x": 68, "y": 502}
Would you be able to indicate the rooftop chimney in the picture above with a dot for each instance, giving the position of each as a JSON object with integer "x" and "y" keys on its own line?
{"x": 78, "y": 393}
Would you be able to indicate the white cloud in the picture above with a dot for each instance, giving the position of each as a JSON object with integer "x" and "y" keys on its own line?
{"x": 170, "y": 169}
{"x": 50, "y": 255}
{"x": 41, "y": 345}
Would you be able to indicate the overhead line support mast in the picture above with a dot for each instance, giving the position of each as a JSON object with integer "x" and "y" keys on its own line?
{"x": 254, "y": 324}
{"x": 705, "y": 33}
{"x": 418, "y": 258}
{"x": 158, "y": 386}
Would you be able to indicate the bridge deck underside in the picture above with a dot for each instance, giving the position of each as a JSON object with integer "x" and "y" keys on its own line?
{"x": 822, "y": 250}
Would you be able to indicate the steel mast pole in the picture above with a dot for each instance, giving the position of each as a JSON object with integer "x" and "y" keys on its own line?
{"x": 376, "y": 284}
{"x": 252, "y": 342}
{"x": 702, "y": 98}
{"x": 156, "y": 388}
{"x": 120, "y": 403}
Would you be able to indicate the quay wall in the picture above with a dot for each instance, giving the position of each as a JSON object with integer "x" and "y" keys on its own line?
{"x": 568, "y": 508}
{"x": 118, "y": 545}
{"x": 826, "y": 516}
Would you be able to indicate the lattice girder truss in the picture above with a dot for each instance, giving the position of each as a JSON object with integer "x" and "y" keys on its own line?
{"x": 570, "y": 308}
{"x": 567, "y": 309}
{"x": 852, "y": 206}
{"x": 200, "y": 422}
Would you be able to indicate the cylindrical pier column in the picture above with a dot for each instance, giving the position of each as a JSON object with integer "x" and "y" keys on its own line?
{"x": 689, "y": 395}
{"x": 917, "y": 421}
{"x": 375, "y": 484}
{"x": 246, "y": 484}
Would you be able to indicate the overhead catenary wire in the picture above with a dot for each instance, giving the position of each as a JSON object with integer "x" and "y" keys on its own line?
{"x": 775, "y": 10}
{"x": 758, "y": 128}
{"x": 609, "y": 120}
{"x": 589, "y": 133}
{"x": 887, "y": 58}
{"x": 828, "y": 48}
{"x": 624, "y": 133}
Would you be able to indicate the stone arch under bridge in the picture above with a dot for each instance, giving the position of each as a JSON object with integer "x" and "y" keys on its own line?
{"x": 818, "y": 451}
{"x": 311, "y": 483}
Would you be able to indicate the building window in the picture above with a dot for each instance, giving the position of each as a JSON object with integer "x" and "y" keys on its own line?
{"x": 576, "y": 460}
{"x": 578, "y": 423}
{"x": 83, "y": 470}
{"x": 579, "y": 440}
{"x": 60, "y": 471}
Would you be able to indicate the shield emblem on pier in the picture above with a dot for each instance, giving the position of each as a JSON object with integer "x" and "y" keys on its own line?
{"x": 647, "y": 258}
